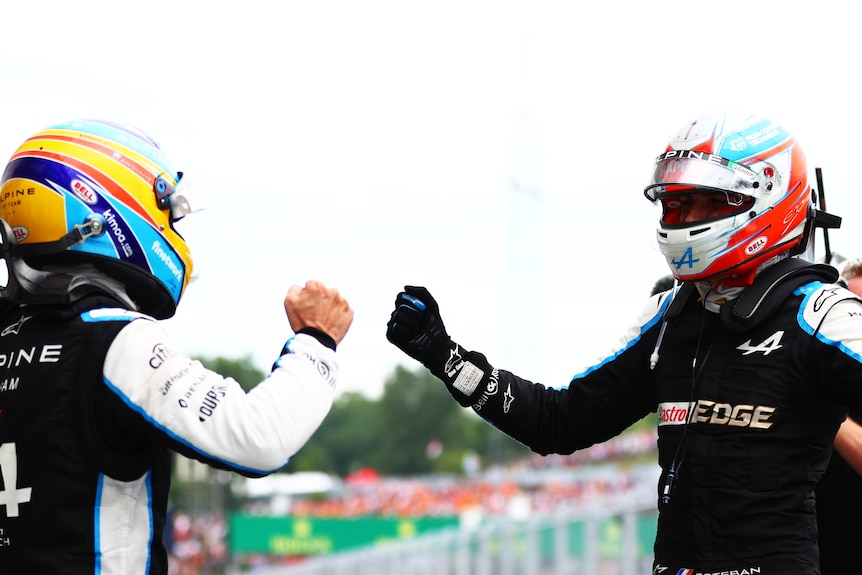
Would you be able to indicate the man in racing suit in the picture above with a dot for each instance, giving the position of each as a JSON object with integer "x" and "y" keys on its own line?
{"x": 839, "y": 492}
{"x": 748, "y": 364}
{"x": 94, "y": 395}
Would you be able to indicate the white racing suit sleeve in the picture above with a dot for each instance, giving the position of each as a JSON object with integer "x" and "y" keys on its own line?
{"x": 831, "y": 314}
{"x": 212, "y": 416}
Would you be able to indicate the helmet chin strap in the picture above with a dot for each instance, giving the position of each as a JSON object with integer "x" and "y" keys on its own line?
{"x": 55, "y": 284}
{"x": 93, "y": 227}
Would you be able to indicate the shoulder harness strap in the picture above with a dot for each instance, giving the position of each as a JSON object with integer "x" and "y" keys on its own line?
{"x": 680, "y": 299}
{"x": 770, "y": 288}
{"x": 758, "y": 301}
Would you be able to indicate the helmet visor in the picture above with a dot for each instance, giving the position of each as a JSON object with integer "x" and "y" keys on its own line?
{"x": 700, "y": 170}
{"x": 696, "y": 206}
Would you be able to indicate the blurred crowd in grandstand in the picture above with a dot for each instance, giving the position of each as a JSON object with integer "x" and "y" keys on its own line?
{"x": 198, "y": 544}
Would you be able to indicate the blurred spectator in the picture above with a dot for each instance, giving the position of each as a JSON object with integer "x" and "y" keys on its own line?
{"x": 199, "y": 544}
{"x": 549, "y": 483}
{"x": 839, "y": 493}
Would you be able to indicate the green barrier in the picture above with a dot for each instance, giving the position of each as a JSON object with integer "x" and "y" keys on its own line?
{"x": 608, "y": 539}
{"x": 318, "y": 536}
{"x": 307, "y": 536}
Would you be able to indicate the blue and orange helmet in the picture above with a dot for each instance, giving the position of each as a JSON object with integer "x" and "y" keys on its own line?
{"x": 100, "y": 193}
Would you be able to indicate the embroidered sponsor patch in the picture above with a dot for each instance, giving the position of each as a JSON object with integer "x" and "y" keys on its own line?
{"x": 468, "y": 378}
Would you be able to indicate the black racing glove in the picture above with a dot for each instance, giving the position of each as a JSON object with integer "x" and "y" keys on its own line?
{"x": 415, "y": 327}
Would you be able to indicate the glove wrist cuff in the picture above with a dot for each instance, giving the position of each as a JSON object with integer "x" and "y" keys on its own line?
{"x": 465, "y": 373}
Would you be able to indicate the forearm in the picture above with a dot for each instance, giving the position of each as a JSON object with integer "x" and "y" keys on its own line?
{"x": 209, "y": 417}
{"x": 848, "y": 443}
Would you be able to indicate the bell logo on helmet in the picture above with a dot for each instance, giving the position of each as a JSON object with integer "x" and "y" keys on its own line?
{"x": 756, "y": 245}
{"x": 84, "y": 191}
{"x": 20, "y": 233}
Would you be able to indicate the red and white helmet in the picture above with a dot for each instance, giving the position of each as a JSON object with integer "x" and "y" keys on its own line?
{"x": 758, "y": 172}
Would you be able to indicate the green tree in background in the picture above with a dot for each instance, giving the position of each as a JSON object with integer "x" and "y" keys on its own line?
{"x": 344, "y": 440}
{"x": 414, "y": 428}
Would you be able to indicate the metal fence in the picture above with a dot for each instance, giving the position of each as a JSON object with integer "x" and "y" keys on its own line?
{"x": 613, "y": 539}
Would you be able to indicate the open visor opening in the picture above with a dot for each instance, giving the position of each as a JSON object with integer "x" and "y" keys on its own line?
{"x": 700, "y": 170}
{"x": 696, "y": 206}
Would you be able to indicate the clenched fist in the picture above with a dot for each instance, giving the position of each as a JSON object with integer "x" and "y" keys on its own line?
{"x": 415, "y": 326}
{"x": 318, "y": 307}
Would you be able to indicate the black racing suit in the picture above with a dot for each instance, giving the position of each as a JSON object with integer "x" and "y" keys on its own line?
{"x": 839, "y": 506}
{"x": 747, "y": 413}
{"x": 92, "y": 398}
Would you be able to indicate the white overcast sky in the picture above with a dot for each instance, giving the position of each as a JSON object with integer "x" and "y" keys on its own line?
{"x": 494, "y": 151}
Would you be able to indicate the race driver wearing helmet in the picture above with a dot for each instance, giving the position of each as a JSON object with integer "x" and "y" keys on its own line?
{"x": 749, "y": 364}
{"x": 94, "y": 395}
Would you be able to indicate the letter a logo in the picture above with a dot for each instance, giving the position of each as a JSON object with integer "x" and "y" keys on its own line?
{"x": 686, "y": 259}
{"x": 771, "y": 343}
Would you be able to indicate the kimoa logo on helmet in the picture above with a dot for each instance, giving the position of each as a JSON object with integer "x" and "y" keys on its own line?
{"x": 111, "y": 219}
